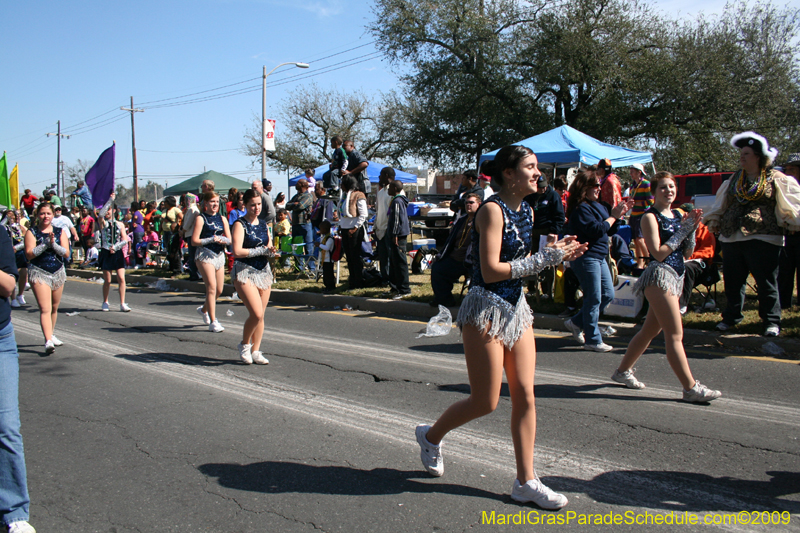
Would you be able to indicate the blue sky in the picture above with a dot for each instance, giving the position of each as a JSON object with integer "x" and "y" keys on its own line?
{"x": 78, "y": 62}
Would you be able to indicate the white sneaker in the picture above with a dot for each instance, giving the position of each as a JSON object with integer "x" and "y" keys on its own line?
{"x": 258, "y": 358}
{"x": 710, "y": 304}
{"x": 723, "y": 326}
{"x": 700, "y": 394}
{"x": 537, "y": 492}
{"x": 105, "y": 307}
{"x": 15, "y": 302}
{"x": 21, "y": 300}
{"x": 49, "y": 347}
{"x": 683, "y": 310}
{"x": 772, "y": 331}
{"x": 627, "y": 378}
{"x": 608, "y": 331}
{"x": 56, "y": 342}
{"x": 21, "y": 526}
{"x": 430, "y": 454}
{"x": 602, "y": 347}
{"x": 577, "y": 334}
{"x": 124, "y": 308}
{"x": 244, "y": 353}
{"x": 215, "y": 327}
{"x": 206, "y": 318}
{"x": 27, "y": 286}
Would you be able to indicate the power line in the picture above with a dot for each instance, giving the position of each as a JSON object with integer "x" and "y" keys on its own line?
{"x": 290, "y": 79}
{"x": 188, "y": 151}
{"x": 199, "y": 92}
{"x": 93, "y": 118}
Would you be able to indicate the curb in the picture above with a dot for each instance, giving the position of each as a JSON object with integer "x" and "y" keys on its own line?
{"x": 694, "y": 337}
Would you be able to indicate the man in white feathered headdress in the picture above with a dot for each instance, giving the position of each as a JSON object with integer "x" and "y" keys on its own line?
{"x": 752, "y": 212}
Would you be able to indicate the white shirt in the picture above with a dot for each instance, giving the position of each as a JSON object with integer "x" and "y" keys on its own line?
{"x": 63, "y": 222}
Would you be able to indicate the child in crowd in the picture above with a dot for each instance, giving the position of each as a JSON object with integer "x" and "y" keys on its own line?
{"x": 338, "y": 165}
{"x": 92, "y": 254}
{"x": 326, "y": 245}
{"x": 282, "y": 226}
{"x": 397, "y": 231}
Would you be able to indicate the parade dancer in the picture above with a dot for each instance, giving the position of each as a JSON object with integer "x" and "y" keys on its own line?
{"x": 252, "y": 275}
{"x": 210, "y": 236}
{"x": 45, "y": 247}
{"x": 670, "y": 237}
{"x": 497, "y": 324}
{"x": 112, "y": 239}
{"x": 17, "y": 234}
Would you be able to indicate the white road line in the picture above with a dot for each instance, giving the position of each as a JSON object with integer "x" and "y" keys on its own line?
{"x": 763, "y": 411}
{"x": 490, "y": 451}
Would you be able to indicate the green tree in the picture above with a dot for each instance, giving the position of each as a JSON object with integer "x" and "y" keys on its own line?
{"x": 482, "y": 73}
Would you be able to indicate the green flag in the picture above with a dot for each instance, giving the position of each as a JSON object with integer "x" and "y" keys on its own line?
{"x": 5, "y": 192}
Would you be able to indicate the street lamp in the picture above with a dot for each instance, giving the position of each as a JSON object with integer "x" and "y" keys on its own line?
{"x": 264, "y": 114}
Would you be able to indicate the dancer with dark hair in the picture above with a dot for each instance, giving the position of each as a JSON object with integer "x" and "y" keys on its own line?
{"x": 252, "y": 275}
{"x": 45, "y": 248}
{"x": 670, "y": 237}
{"x": 113, "y": 238}
{"x": 210, "y": 237}
{"x": 497, "y": 324}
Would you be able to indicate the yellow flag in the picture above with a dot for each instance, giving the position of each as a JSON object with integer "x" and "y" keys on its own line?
{"x": 13, "y": 185}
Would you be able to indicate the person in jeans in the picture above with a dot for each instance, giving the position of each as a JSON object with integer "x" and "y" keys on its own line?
{"x": 300, "y": 205}
{"x": 14, "y": 498}
{"x": 590, "y": 222}
{"x": 397, "y": 232}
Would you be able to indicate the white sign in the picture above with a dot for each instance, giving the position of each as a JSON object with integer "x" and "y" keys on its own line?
{"x": 269, "y": 135}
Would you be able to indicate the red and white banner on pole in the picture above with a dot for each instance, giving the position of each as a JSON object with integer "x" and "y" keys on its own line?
{"x": 269, "y": 135}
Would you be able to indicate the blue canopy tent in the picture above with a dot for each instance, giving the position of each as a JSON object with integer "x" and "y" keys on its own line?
{"x": 373, "y": 171}
{"x": 567, "y": 147}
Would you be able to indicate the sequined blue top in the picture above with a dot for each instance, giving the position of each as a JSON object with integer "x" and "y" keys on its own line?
{"x": 666, "y": 229}
{"x": 517, "y": 243}
{"x": 212, "y": 227}
{"x": 49, "y": 260}
{"x": 254, "y": 236}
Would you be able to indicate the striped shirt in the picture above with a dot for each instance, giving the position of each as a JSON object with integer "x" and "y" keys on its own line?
{"x": 642, "y": 198}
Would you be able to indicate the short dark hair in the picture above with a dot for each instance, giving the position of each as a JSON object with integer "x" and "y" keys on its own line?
{"x": 349, "y": 183}
{"x": 310, "y": 172}
{"x": 281, "y": 211}
{"x": 336, "y": 139}
{"x": 325, "y": 226}
{"x": 471, "y": 175}
{"x": 396, "y": 186}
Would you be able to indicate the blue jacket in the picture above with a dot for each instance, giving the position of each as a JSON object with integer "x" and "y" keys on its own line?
{"x": 588, "y": 223}
{"x": 398, "y": 217}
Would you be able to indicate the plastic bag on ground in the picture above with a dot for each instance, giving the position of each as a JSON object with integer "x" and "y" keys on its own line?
{"x": 440, "y": 325}
{"x": 160, "y": 285}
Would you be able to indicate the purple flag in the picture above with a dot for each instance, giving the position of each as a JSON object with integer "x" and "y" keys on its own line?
{"x": 100, "y": 178}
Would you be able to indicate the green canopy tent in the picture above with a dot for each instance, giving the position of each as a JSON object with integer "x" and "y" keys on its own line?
{"x": 222, "y": 182}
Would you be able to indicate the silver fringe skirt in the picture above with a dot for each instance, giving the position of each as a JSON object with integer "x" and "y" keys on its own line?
{"x": 204, "y": 255}
{"x": 483, "y": 309}
{"x": 246, "y": 274}
{"x": 662, "y": 276}
{"x": 55, "y": 280}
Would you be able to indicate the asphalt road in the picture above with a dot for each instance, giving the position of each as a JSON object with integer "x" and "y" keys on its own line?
{"x": 146, "y": 421}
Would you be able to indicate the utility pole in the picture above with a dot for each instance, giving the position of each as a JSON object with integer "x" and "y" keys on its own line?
{"x": 133, "y": 111}
{"x": 59, "y": 166}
